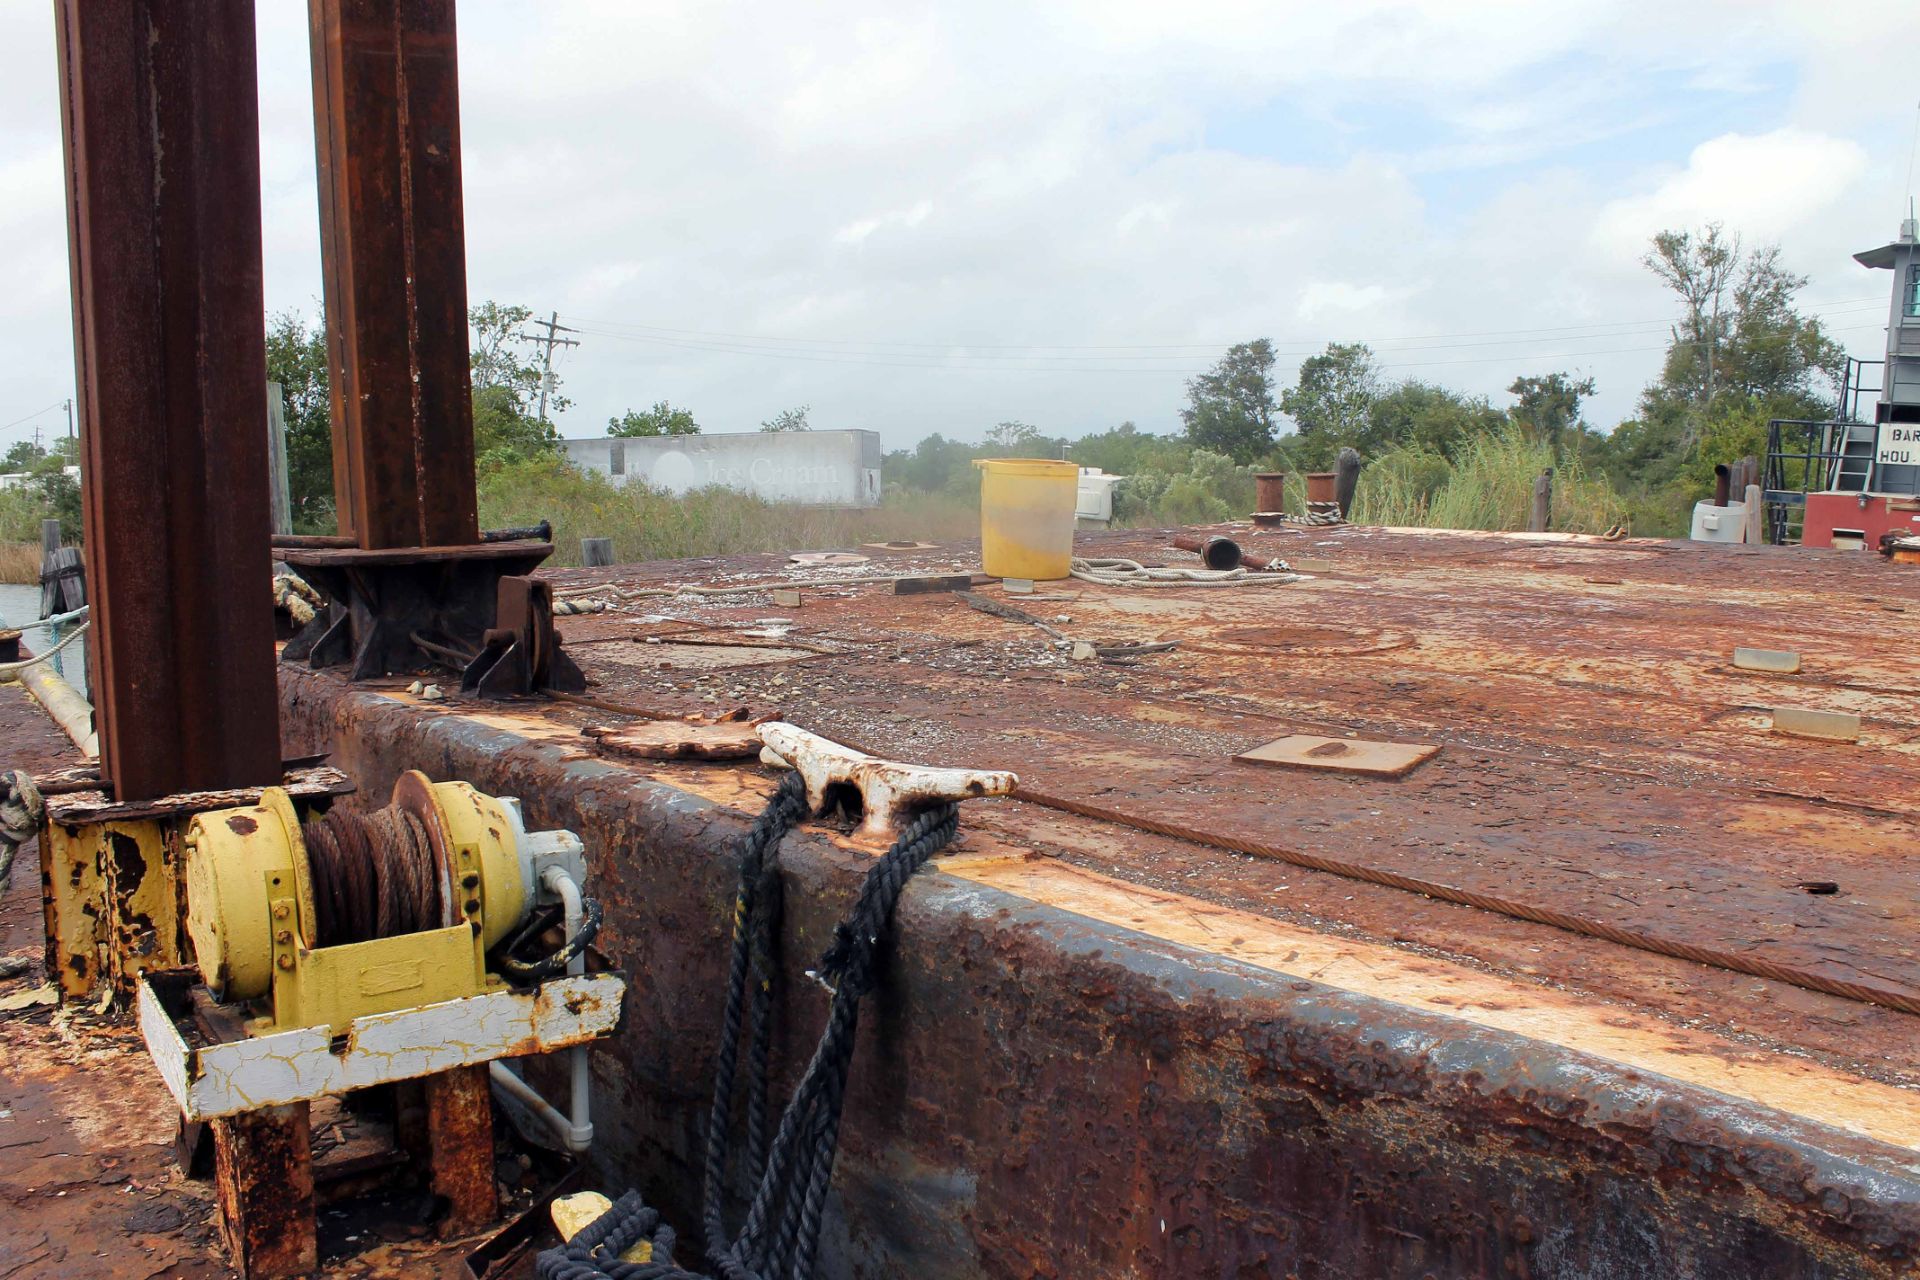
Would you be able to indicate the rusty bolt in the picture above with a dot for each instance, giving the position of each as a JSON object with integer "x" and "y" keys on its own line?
{"x": 280, "y": 911}
{"x": 473, "y": 906}
{"x": 470, "y": 881}
{"x": 284, "y": 960}
{"x": 283, "y": 937}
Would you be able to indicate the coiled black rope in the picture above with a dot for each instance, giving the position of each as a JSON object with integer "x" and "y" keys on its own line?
{"x": 790, "y": 1175}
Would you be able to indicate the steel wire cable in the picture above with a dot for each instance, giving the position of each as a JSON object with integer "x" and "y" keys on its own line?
{"x": 1572, "y": 922}
{"x": 374, "y": 875}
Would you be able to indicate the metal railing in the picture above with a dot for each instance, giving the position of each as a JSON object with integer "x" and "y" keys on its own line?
{"x": 1803, "y": 456}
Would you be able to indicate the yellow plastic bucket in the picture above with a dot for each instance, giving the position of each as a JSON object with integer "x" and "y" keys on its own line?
{"x": 1026, "y": 516}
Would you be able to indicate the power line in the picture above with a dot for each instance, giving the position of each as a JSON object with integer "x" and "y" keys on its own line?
{"x": 889, "y": 360}
{"x": 1380, "y": 346}
{"x": 30, "y": 417}
{"x": 1596, "y": 329}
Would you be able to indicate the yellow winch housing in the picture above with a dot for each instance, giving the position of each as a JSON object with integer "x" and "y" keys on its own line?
{"x": 251, "y": 916}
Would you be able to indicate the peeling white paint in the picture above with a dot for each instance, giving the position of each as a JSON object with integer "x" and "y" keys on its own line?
{"x": 299, "y": 1065}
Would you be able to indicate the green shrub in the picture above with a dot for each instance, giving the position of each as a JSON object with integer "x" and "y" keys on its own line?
{"x": 1489, "y": 485}
{"x": 646, "y": 524}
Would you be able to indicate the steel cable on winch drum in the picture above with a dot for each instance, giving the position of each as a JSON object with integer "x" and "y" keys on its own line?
{"x": 790, "y": 1175}
{"x": 374, "y": 875}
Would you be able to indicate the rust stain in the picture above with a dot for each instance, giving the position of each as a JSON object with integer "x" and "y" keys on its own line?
{"x": 1598, "y": 759}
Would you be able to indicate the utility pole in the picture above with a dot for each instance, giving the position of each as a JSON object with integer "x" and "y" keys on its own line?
{"x": 69, "y": 417}
{"x": 552, "y": 339}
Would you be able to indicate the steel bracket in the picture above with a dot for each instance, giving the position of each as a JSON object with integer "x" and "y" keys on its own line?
{"x": 385, "y": 601}
{"x": 521, "y": 652}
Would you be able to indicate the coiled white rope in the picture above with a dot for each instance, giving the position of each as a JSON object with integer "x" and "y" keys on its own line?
{"x": 1131, "y": 573}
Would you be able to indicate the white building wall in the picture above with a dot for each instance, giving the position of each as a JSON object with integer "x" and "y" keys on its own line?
{"x": 807, "y": 468}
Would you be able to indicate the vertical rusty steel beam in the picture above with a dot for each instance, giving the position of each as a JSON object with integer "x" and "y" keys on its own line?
{"x": 460, "y": 1148}
{"x": 263, "y": 1180}
{"x": 386, "y": 106}
{"x": 160, "y": 119}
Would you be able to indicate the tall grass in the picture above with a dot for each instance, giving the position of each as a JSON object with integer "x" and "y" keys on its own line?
{"x": 1488, "y": 486}
{"x": 646, "y": 524}
{"x": 19, "y": 562}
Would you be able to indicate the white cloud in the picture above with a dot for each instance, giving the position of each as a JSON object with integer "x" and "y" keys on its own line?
{"x": 1337, "y": 298}
{"x": 887, "y": 185}
{"x": 1765, "y": 186}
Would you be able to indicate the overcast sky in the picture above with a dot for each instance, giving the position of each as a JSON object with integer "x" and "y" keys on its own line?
{"x": 926, "y": 218}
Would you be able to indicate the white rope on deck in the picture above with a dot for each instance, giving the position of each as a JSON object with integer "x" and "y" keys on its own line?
{"x": 666, "y": 593}
{"x": 12, "y": 670}
{"x": 1131, "y": 573}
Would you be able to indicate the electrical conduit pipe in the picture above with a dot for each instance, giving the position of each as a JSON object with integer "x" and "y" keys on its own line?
{"x": 576, "y": 1130}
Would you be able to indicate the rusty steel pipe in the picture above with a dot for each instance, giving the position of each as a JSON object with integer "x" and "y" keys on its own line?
{"x": 1215, "y": 551}
{"x": 1223, "y": 553}
{"x": 1270, "y": 491}
{"x": 1722, "y": 483}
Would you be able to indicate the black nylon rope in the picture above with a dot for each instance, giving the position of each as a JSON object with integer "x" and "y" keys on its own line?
{"x": 790, "y": 1175}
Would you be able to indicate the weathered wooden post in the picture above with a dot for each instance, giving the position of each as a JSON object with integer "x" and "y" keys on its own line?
{"x": 596, "y": 552}
{"x": 279, "y": 501}
{"x": 1542, "y": 502}
{"x": 1346, "y": 479}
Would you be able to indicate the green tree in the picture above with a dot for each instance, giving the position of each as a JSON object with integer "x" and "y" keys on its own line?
{"x": 1547, "y": 407}
{"x": 1127, "y": 450}
{"x": 1414, "y": 415}
{"x": 661, "y": 420}
{"x": 935, "y": 465}
{"x": 1700, "y": 268}
{"x": 297, "y": 360}
{"x": 1333, "y": 394}
{"x": 794, "y": 419}
{"x": 501, "y": 354}
{"x": 21, "y": 457}
{"x": 1739, "y": 333}
{"x": 59, "y": 492}
{"x": 507, "y": 426}
{"x": 1013, "y": 438}
{"x": 1741, "y": 353}
{"x": 1230, "y": 408}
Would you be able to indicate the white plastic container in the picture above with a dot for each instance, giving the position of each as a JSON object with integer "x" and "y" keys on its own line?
{"x": 1720, "y": 524}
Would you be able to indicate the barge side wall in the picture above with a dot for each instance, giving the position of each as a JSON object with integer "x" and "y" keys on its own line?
{"x": 1037, "y": 1094}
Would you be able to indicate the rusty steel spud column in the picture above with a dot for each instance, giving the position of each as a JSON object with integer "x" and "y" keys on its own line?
{"x": 386, "y": 108}
{"x": 160, "y": 120}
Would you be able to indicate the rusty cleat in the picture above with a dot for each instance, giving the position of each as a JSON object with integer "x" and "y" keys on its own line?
{"x": 890, "y": 792}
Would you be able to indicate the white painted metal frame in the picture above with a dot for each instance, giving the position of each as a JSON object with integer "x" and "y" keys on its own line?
{"x": 306, "y": 1063}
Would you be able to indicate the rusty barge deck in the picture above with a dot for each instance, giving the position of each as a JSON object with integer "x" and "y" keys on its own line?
{"x": 1128, "y": 1029}
{"x": 1616, "y": 984}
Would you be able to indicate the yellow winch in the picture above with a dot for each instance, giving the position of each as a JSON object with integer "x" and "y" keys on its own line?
{"x": 354, "y": 913}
